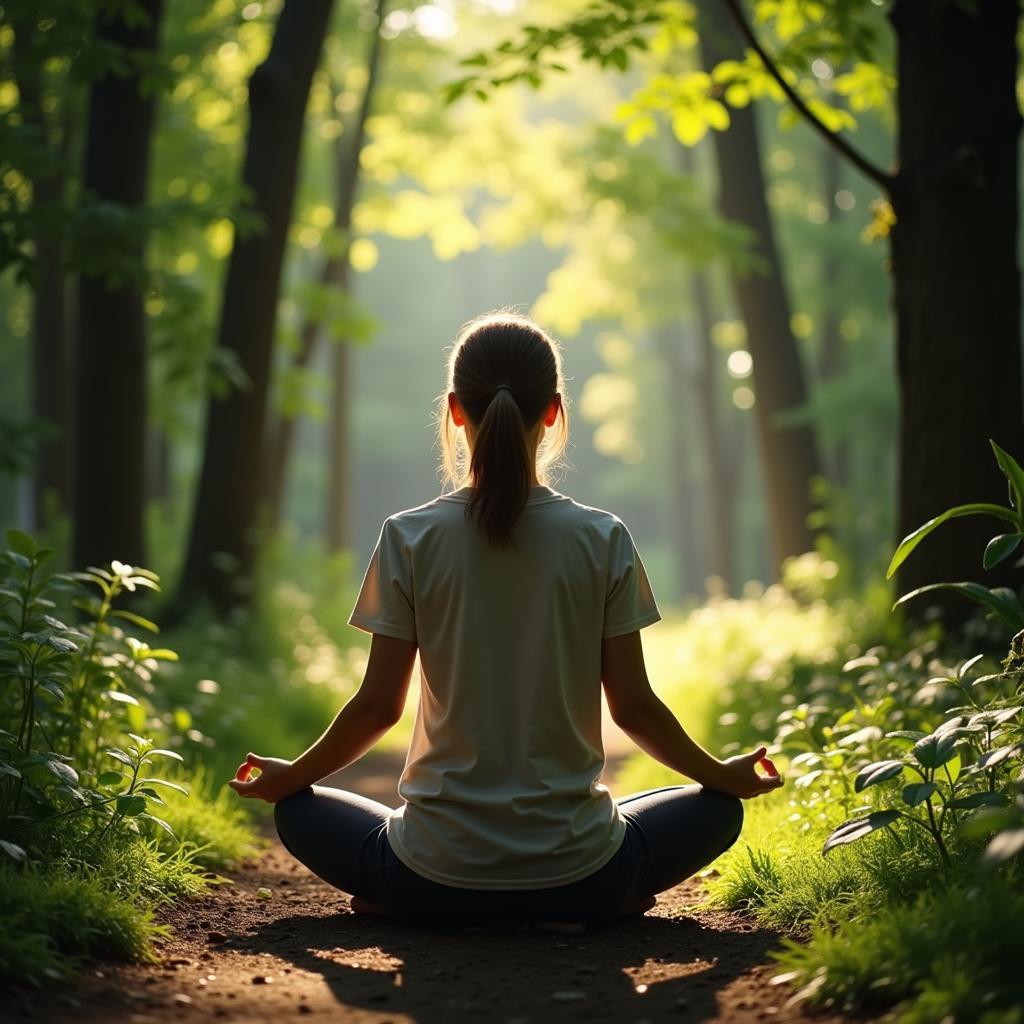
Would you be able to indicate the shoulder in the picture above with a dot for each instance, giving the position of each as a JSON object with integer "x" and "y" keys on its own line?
{"x": 597, "y": 520}
{"x": 411, "y": 523}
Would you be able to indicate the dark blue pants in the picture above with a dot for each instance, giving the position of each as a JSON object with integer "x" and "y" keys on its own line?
{"x": 671, "y": 834}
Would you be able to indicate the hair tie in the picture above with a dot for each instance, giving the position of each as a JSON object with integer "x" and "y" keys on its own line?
{"x": 502, "y": 387}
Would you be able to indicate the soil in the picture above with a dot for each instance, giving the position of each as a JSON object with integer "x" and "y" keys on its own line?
{"x": 276, "y": 943}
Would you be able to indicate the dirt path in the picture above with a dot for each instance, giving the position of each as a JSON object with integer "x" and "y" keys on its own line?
{"x": 245, "y": 956}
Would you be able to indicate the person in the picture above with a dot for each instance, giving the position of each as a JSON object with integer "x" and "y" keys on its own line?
{"x": 522, "y": 605}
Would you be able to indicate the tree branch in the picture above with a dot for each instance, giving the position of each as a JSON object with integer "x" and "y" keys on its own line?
{"x": 835, "y": 139}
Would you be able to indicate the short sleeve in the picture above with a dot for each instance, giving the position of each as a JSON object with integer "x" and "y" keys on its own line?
{"x": 629, "y": 600}
{"x": 385, "y": 602}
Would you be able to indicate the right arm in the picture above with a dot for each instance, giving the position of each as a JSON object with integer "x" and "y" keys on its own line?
{"x": 639, "y": 712}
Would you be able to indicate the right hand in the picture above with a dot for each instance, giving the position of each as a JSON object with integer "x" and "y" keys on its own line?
{"x": 738, "y": 776}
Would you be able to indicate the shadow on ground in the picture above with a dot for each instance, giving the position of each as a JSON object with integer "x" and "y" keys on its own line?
{"x": 652, "y": 967}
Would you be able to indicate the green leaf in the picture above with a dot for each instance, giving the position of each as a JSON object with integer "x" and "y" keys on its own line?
{"x": 999, "y": 548}
{"x": 61, "y": 644}
{"x": 120, "y": 755}
{"x": 158, "y": 822}
{"x": 1011, "y": 468}
{"x": 905, "y": 734}
{"x": 177, "y": 787}
{"x": 1000, "y": 754}
{"x": 50, "y": 687}
{"x": 159, "y": 752}
{"x": 121, "y": 698}
{"x": 136, "y": 620}
{"x": 856, "y": 828}
{"x": 129, "y": 805}
{"x": 1001, "y": 600}
{"x": 109, "y": 778}
{"x": 935, "y": 750}
{"x": 985, "y": 799}
{"x": 7, "y": 769}
{"x": 979, "y": 508}
{"x": 63, "y": 771}
{"x": 918, "y": 792}
{"x": 13, "y": 851}
{"x": 967, "y": 666}
{"x": 21, "y": 542}
{"x": 879, "y": 771}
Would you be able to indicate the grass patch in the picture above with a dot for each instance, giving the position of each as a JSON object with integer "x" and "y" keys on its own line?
{"x": 211, "y": 823}
{"x": 51, "y": 920}
{"x": 951, "y": 954}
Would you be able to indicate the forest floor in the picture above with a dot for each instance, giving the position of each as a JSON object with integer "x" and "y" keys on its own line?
{"x": 242, "y": 955}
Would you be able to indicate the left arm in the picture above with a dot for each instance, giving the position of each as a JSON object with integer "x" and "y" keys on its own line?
{"x": 375, "y": 708}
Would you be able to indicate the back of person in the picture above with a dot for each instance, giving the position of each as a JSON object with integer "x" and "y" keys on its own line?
{"x": 501, "y": 784}
{"x": 522, "y": 606}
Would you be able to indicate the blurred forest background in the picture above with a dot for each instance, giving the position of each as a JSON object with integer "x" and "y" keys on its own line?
{"x": 141, "y": 291}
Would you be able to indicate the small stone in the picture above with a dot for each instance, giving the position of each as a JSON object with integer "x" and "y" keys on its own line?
{"x": 263, "y": 893}
{"x": 640, "y": 989}
{"x": 262, "y": 979}
{"x": 182, "y": 1000}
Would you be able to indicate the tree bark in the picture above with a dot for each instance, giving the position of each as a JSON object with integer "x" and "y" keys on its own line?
{"x": 222, "y": 546}
{"x": 334, "y": 272}
{"x": 957, "y": 276}
{"x": 788, "y": 453}
{"x": 51, "y": 350}
{"x": 110, "y": 404}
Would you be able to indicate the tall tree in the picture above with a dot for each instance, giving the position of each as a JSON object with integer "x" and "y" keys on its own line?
{"x": 334, "y": 273}
{"x": 788, "y": 454}
{"x": 955, "y": 262}
{"x": 51, "y": 348}
{"x": 110, "y": 403}
{"x": 222, "y": 544}
{"x": 956, "y": 268}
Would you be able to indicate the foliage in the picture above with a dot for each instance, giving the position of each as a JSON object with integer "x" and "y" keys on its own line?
{"x": 95, "y": 831}
{"x": 945, "y": 954}
{"x": 1000, "y": 600}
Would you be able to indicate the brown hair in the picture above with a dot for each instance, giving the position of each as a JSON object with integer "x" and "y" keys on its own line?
{"x": 504, "y": 371}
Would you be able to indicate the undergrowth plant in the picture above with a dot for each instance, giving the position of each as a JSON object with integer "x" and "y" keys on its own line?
{"x": 71, "y": 703}
{"x": 96, "y": 825}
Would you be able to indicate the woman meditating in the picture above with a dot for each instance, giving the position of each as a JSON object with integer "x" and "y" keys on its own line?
{"x": 522, "y": 605}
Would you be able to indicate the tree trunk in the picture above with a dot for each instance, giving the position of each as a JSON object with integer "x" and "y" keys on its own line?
{"x": 957, "y": 279}
{"x": 110, "y": 405}
{"x": 832, "y": 360}
{"x": 222, "y": 547}
{"x": 686, "y": 519}
{"x": 339, "y": 466}
{"x": 334, "y": 272}
{"x": 722, "y": 456}
{"x": 788, "y": 454}
{"x": 51, "y": 350}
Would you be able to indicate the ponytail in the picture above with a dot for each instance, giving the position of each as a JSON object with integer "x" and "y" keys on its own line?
{"x": 505, "y": 372}
{"x": 500, "y": 467}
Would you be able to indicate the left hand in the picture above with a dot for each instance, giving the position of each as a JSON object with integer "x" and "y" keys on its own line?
{"x": 274, "y": 782}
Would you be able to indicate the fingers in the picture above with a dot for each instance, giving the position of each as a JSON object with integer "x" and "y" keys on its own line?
{"x": 243, "y": 772}
{"x": 256, "y": 762}
{"x": 756, "y": 755}
{"x": 769, "y": 766}
{"x": 242, "y": 788}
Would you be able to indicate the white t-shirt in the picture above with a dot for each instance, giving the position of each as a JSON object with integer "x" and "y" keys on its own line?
{"x": 500, "y": 784}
